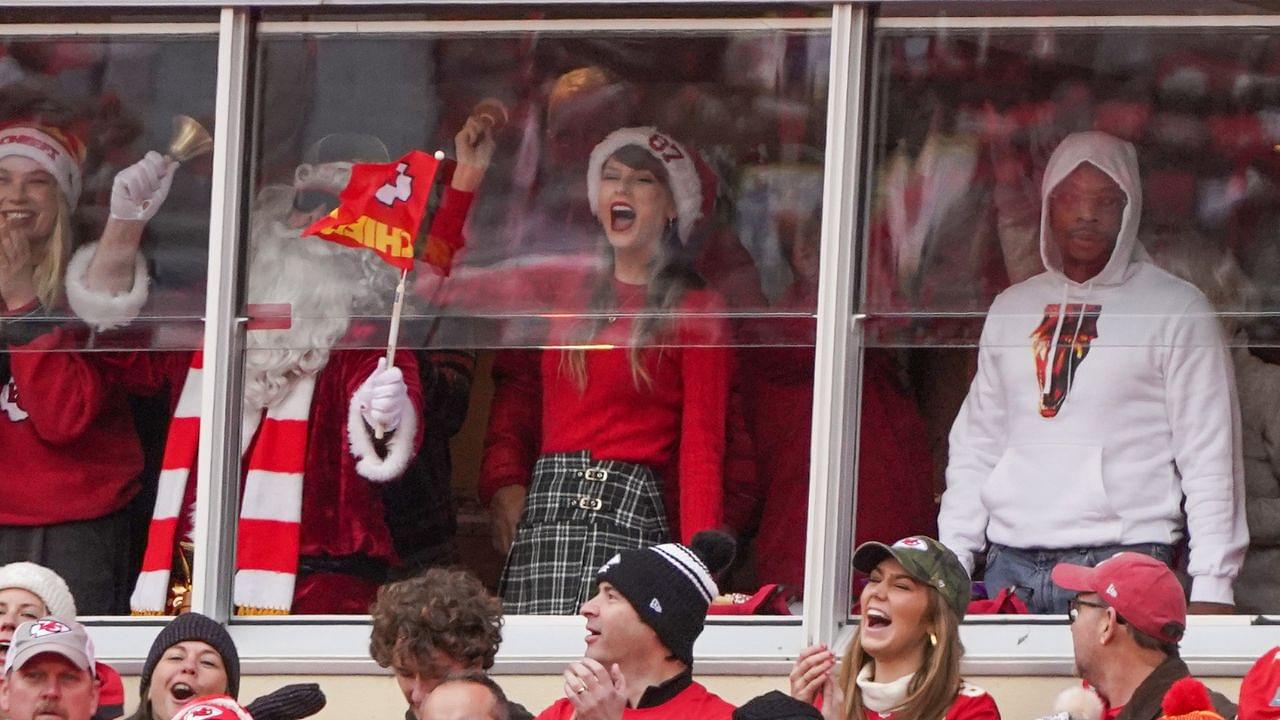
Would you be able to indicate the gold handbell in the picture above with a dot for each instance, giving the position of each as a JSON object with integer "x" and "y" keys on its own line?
{"x": 179, "y": 599}
{"x": 189, "y": 140}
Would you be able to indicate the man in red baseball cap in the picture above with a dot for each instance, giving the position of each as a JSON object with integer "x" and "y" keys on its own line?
{"x": 1127, "y": 617}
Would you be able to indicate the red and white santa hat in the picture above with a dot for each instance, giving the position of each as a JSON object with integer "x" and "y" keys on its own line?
{"x": 58, "y": 153}
{"x": 682, "y": 171}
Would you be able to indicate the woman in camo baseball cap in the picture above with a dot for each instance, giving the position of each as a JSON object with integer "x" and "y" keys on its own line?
{"x": 904, "y": 661}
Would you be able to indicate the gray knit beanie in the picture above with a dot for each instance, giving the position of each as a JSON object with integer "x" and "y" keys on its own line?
{"x": 194, "y": 626}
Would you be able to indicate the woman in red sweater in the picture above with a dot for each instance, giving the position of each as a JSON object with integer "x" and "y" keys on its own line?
{"x": 632, "y": 408}
{"x": 72, "y": 455}
{"x": 904, "y": 661}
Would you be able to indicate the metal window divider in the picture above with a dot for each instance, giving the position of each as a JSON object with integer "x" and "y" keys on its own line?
{"x": 218, "y": 459}
{"x": 835, "y": 392}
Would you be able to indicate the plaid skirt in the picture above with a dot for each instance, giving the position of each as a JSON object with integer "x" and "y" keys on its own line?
{"x": 579, "y": 513}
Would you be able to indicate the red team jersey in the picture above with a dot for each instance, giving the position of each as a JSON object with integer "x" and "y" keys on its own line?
{"x": 692, "y": 703}
{"x": 971, "y": 703}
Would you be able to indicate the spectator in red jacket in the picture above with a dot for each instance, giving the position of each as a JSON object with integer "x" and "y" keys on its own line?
{"x": 649, "y": 608}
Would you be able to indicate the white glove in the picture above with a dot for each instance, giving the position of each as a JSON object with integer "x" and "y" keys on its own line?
{"x": 383, "y": 397}
{"x": 140, "y": 189}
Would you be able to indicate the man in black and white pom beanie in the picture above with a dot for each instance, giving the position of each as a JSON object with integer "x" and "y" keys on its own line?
{"x": 651, "y": 607}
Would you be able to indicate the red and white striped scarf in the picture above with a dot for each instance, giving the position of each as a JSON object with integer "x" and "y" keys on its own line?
{"x": 269, "y": 530}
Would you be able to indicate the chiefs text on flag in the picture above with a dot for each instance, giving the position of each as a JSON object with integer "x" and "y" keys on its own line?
{"x": 382, "y": 207}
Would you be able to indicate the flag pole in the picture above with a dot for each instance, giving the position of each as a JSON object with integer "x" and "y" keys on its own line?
{"x": 392, "y": 336}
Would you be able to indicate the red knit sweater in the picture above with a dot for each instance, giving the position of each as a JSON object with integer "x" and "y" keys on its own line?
{"x": 676, "y": 426}
{"x": 73, "y": 451}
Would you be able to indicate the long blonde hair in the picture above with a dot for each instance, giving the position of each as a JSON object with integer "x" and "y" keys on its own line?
{"x": 671, "y": 274}
{"x": 48, "y": 274}
{"x": 933, "y": 688}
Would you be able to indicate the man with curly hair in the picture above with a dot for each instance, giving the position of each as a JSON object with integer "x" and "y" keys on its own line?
{"x": 433, "y": 625}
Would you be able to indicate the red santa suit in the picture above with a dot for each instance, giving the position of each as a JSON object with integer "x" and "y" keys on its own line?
{"x": 312, "y": 534}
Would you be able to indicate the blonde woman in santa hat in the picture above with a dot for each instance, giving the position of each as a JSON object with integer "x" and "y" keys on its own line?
{"x": 631, "y": 415}
{"x": 29, "y": 592}
{"x": 74, "y": 456}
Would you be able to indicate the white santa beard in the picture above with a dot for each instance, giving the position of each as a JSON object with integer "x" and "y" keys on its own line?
{"x": 320, "y": 282}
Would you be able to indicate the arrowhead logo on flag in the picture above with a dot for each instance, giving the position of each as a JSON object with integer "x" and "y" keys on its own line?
{"x": 382, "y": 207}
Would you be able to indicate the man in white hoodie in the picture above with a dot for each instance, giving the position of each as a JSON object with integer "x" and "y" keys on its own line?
{"x": 1102, "y": 400}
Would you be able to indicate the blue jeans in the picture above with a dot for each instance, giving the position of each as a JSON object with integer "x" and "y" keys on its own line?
{"x": 1027, "y": 571}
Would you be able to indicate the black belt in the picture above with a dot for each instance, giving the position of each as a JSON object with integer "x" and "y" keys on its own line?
{"x": 361, "y": 566}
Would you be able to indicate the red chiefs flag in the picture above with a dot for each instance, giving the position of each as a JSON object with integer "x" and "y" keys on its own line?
{"x": 382, "y": 207}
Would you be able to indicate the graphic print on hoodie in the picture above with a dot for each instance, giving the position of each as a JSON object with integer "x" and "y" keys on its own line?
{"x": 1065, "y": 337}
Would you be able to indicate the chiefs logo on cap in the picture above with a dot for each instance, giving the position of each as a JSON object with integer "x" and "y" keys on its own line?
{"x": 912, "y": 543}
{"x": 48, "y": 627}
{"x": 201, "y": 711}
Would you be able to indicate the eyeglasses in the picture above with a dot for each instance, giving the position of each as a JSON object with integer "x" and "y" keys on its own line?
{"x": 1073, "y": 607}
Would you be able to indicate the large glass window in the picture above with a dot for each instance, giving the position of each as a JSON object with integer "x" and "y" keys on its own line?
{"x": 630, "y": 234}
{"x": 96, "y": 344}
{"x": 1068, "y": 271}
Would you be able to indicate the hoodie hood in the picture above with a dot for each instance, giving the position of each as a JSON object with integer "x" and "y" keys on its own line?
{"x": 1119, "y": 161}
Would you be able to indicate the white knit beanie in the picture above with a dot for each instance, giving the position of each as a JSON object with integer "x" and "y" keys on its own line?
{"x": 682, "y": 172}
{"x": 52, "y": 155}
{"x": 44, "y": 584}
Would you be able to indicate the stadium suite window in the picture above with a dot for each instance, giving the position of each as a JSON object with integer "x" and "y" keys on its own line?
{"x": 964, "y": 129}
{"x": 690, "y": 235}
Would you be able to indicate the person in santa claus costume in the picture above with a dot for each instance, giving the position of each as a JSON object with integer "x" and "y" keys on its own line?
{"x": 72, "y": 455}
{"x": 312, "y": 535}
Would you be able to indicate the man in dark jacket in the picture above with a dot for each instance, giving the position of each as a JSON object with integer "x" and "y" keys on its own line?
{"x": 1126, "y": 620}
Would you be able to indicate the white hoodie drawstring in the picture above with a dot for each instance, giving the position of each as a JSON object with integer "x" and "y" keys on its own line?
{"x": 1057, "y": 333}
{"x": 1047, "y": 390}
{"x": 1084, "y": 306}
